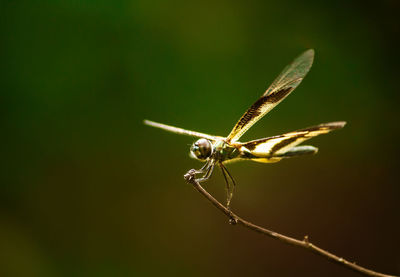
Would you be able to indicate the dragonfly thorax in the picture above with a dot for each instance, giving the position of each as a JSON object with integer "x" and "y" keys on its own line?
{"x": 201, "y": 149}
{"x": 224, "y": 151}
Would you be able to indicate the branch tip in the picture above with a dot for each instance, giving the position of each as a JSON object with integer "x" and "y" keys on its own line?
{"x": 189, "y": 175}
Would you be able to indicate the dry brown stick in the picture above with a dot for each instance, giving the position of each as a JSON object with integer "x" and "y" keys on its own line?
{"x": 305, "y": 243}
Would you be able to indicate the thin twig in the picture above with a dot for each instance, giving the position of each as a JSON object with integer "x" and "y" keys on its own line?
{"x": 305, "y": 243}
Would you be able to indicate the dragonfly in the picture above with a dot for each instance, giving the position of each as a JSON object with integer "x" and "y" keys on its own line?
{"x": 218, "y": 151}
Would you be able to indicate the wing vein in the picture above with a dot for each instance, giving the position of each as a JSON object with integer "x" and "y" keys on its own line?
{"x": 283, "y": 85}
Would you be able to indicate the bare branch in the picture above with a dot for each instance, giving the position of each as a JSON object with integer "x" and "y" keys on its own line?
{"x": 305, "y": 243}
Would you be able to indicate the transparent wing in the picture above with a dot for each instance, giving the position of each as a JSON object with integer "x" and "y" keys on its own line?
{"x": 293, "y": 73}
{"x": 179, "y": 130}
{"x": 279, "y": 145}
{"x": 283, "y": 85}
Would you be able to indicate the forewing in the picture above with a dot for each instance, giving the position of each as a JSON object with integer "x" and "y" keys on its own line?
{"x": 293, "y": 73}
{"x": 179, "y": 130}
{"x": 278, "y": 145}
{"x": 283, "y": 85}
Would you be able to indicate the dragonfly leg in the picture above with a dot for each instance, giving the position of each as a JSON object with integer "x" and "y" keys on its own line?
{"x": 208, "y": 173}
{"x": 229, "y": 186}
{"x": 204, "y": 168}
{"x": 207, "y": 169}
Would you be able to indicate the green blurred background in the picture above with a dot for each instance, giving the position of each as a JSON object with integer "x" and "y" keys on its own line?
{"x": 88, "y": 190}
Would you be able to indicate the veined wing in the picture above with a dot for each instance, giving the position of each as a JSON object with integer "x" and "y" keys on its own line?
{"x": 179, "y": 130}
{"x": 279, "y": 145}
{"x": 283, "y": 85}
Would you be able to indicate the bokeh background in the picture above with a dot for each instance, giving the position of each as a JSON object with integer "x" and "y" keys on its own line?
{"x": 88, "y": 190}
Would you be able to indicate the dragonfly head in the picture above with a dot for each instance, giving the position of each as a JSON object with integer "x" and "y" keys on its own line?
{"x": 201, "y": 149}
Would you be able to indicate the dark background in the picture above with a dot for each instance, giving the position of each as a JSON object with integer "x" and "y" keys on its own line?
{"x": 88, "y": 190}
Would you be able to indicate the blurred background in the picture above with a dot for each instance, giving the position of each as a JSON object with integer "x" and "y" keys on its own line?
{"x": 88, "y": 190}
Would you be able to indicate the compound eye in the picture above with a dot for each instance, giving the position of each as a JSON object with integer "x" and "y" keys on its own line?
{"x": 201, "y": 149}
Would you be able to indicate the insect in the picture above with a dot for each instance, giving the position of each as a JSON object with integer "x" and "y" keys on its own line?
{"x": 216, "y": 150}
